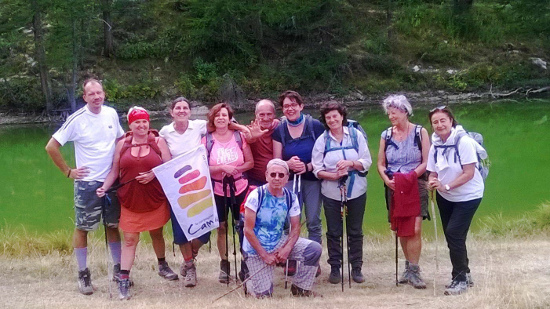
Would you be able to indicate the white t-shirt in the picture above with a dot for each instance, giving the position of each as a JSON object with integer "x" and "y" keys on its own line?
{"x": 180, "y": 143}
{"x": 450, "y": 170}
{"x": 94, "y": 137}
{"x": 270, "y": 219}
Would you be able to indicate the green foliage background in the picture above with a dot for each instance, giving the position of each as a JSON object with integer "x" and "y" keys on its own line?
{"x": 166, "y": 48}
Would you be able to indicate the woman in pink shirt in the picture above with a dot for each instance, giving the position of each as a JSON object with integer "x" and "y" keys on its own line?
{"x": 229, "y": 157}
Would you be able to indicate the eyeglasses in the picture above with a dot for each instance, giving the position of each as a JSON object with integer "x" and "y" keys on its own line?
{"x": 293, "y": 105}
{"x": 439, "y": 108}
{"x": 273, "y": 175}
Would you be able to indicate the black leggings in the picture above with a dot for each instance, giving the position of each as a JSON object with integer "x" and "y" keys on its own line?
{"x": 456, "y": 218}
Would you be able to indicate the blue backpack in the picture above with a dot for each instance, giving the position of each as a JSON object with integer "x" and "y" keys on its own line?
{"x": 354, "y": 128}
{"x": 483, "y": 164}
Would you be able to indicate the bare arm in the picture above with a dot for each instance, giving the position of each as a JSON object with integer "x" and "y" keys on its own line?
{"x": 381, "y": 165}
{"x": 113, "y": 174}
{"x": 283, "y": 252}
{"x": 467, "y": 174}
{"x": 277, "y": 150}
{"x": 421, "y": 169}
{"x": 52, "y": 148}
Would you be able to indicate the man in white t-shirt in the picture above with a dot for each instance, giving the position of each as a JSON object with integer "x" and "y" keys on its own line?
{"x": 94, "y": 129}
{"x": 265, "y": 244}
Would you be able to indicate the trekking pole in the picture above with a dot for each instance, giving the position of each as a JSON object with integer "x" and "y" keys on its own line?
{"x": 107, "y": 201}
{"x": 234, "y": 245}
{"x": 341, "y": 186}
{"x": 241, "y": 284}
{"x": 286, "y": 275}
{"x": 119, "y": 186}
{"x": 435, "y": 235}
{"x": 396, "y": 262}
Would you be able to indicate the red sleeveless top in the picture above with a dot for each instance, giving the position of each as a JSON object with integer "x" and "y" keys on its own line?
{"x": 135, "y": 196}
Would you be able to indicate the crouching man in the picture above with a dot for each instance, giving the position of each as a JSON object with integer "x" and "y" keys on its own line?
{"x": 266, "y": 211}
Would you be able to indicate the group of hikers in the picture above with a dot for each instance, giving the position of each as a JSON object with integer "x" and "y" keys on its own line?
{"x": 277, "y": 169}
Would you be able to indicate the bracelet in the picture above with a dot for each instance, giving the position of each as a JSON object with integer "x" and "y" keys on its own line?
{"x": 69, "y": 173}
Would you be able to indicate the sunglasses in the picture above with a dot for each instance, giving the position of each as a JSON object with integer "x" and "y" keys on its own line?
{"x": 273, "y": 175}
{"x": 439, "y": 108}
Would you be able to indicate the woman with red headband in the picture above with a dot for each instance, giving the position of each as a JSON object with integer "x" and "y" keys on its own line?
{"x": 143, "y": 204}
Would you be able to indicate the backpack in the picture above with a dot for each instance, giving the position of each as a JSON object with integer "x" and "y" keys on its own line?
{"x": 354, "y": 127}
{"x": 417, "y": 139}
{"x": 151, "y": 142}
{"x": 483, "y": 164}
{"x": 307, "y": 126}
{"x": 261, "y": 194}
{"x": 210, "y": 142}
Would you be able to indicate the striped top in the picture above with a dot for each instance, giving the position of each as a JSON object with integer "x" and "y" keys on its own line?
{"x": 405, "y": 157}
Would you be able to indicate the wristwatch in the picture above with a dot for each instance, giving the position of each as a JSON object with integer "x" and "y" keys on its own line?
{"x": 447, "y": 188}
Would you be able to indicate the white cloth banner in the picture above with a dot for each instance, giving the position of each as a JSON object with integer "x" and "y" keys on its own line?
{"x": 186, "y": 182}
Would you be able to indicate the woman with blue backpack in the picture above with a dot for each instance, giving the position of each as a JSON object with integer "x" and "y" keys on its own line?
{"x": 452, "y": 161}
{"x": 403, "y": 153}
{"x": 293, "y": 140}
{"x": 341, "y": 159}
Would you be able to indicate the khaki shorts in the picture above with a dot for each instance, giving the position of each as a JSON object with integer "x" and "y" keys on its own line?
{"x": 422, "y": 190}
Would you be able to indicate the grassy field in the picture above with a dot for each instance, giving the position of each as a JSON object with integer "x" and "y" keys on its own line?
{"x": 35, "y": 196}
{"x": 508, "y": 273}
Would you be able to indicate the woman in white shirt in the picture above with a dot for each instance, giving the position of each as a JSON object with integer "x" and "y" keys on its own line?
{"x": 452, "y": 162}
{"x": 341, "y": 159}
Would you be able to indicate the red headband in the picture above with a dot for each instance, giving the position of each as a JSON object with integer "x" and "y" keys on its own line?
{"x": 136, "y": 113}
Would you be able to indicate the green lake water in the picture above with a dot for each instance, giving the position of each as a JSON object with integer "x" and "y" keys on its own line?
{"x": 36, "y": 196}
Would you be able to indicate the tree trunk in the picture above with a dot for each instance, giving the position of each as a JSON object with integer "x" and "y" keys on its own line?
{"x": 72, "y": 87}
{"x": 107, "y": 27}
{"x": 41, "y": 55}
{"x": 389, "y": 17}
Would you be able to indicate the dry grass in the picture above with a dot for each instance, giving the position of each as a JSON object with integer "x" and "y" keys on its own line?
{"x": 508, "y": 273}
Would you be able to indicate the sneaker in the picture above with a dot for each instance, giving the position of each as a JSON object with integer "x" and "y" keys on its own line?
{"x": 456, "y": 288}
{"x": 469, "y": 281}
{"x": 244, "y": 273}
{"x": 225, "y": 269}
{"x": 405, "y": 276}
{"x": 124, "y": 289}
{"x": 414, "y": 277}
{"x": 166, "y": 272}
{"x": 335, "y": 275}
{"x": 85, "y": 282}
{"x": 357, "y": 275}
{"x": 190, "y": 279}
{"x": 299, "y": 292}
{"x": 291, "y": 267}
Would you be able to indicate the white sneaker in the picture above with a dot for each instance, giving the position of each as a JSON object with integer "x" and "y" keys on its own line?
{"x": 456, "y": 288}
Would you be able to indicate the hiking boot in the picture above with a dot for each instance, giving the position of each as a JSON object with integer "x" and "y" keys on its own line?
{"x": 116, "y": 274}
{"x": 318, "y": 273}
{"x": 469, "y": 281}
{"x": 244, "y": 273}
{"x": 190, "y": 279}
{"x": 225, "y": 269}
{"x": 414, "y": 277}
{"x": 357, "y": 275}
{"x": 85, "y": 282}
{"x": 124, "y": 289}
{"x": 405, "y": 276}
{"x": 166, "y": 272}
{"x": 334, "y": 276}
{"x": 456, "y": 288}
{"x": 299, "y": 292}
